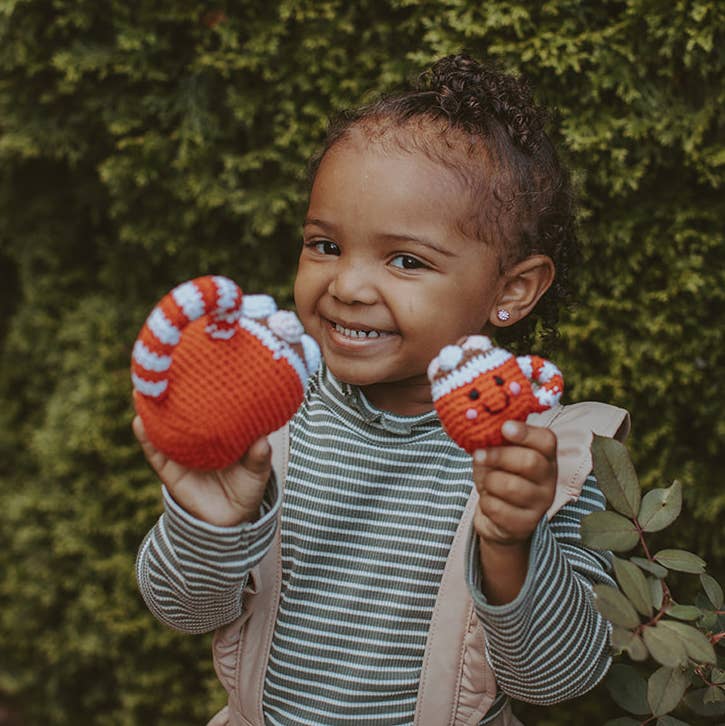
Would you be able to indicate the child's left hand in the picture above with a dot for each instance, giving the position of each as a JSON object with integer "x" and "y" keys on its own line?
{"x": 516, "y": 484}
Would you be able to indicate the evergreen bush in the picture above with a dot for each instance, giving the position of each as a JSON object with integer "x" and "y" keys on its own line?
{"x": 146, "y": 143}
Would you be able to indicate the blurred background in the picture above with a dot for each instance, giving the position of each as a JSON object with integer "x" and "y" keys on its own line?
{"x": 143, "y": 143}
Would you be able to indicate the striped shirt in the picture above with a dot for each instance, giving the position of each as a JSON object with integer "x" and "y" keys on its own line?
{"x": 371, "y": 505}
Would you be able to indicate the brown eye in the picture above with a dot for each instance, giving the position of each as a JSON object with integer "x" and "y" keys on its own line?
{"x": 499, "y": 380}
{"x": 474, "y": 394}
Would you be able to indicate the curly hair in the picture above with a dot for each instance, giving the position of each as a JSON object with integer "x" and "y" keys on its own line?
{"x": 488, "y": 130}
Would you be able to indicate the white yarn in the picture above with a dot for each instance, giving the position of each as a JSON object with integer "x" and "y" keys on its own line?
{"x": 149, "y": 360}
{"x": 162, "y": 328}
{"x": 189, "y": 298}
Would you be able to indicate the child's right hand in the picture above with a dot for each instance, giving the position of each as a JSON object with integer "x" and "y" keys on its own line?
{"x": 225, "y": 497}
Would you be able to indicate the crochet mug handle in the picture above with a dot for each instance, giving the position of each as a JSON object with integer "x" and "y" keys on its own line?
{"x": 547, "y": 383}
{"x": 214, "y": 296}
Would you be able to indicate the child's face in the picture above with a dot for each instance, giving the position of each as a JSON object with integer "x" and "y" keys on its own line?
{"x": 386, "y": 277}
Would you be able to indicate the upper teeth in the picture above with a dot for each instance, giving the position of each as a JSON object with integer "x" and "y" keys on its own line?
{"x": 358, "y": 333}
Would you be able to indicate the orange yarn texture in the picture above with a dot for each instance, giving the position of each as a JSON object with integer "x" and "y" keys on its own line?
{"x": 210, "y": 379}
{"x": 477, "y": 387}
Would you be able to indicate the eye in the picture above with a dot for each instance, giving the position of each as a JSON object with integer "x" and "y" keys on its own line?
{"x": 498, "y": 380}
{"x": 324, "y": 247}
{"x": 408, "y": 262}
{"x": 474, "y": 395}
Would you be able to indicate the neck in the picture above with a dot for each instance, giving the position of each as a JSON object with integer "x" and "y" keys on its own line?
{"x": 404, "y": 398}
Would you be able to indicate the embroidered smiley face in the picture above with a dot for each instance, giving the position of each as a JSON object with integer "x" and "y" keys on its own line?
{"x": 477, "y": 387}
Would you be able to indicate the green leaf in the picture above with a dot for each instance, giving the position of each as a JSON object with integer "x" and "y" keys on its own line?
{"x": 696, "y": 644}
{"x": 649, "y": 566}
{"x": 634, "y": 585}
{"x": 684, "y": 612}
{"x": 622, "y": 721}
{"x": 608, "y": 531}
{"x": 660, "y": 507}
{"x": 695, "y": 700}
{"x": 628, "y": 689}
{"x": 624, "y": 640}
{"x": 656, "y": 592}
{"x": 712, "y": 590}
{"x": 708, "y": 621}
{"x": 665, "y": 689}
{"x": 681, "y": 560}
{"x": 664, "y": 646}
{"x": 616, "y": 475}
{"x": 717, "y": 676}
{"x": 615, "y": 607}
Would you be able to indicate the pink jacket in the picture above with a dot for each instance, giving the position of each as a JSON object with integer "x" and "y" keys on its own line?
{"x": 457, "y": 684}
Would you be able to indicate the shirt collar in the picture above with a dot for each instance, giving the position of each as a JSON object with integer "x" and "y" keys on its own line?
{"x": 350, "y": 401}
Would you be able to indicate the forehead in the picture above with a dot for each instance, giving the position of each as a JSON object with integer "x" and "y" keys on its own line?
{"x": 375, "y": 177}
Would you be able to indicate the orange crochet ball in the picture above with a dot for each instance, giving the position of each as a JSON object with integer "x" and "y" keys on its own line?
{"x": 476, "y": 388}
{"x": 213, "y": 371}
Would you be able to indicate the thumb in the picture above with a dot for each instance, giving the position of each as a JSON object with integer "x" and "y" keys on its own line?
{"x": 258, "y": 459}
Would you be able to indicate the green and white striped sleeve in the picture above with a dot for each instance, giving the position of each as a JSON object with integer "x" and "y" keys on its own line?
{"x": 550, "y": 644}
{"x": 191, "y": 574}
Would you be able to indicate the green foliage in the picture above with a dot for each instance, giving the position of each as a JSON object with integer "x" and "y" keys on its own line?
{"x": 145, "y": 143}
{"x": 647, "y": 621}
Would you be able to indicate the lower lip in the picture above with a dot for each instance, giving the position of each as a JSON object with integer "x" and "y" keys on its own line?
{"x": 345, "y": 341}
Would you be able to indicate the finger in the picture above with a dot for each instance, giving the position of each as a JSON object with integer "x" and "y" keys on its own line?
{"x": 480, "y": 470}
{"x": 520, "y": 460}
{"x": 517, "y": 522}
{"x": 258, "y": 459}
{"x": 152, "y": 454}
{"x": 514, "y": 490}
{"x": 170, "y": 472}
{"x": 538, "y": 438}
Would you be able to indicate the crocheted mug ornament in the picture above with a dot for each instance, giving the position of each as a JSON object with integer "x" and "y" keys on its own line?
{"x": 213, "y": 370}
{"x": 477, "y": 387}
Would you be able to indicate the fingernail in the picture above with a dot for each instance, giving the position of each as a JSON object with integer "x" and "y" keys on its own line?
{"x": 479, "y": 456}
{"x": 510, "y": 428}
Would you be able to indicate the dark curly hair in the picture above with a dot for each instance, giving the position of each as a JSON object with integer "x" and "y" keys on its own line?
{"x": 491, "y": 133}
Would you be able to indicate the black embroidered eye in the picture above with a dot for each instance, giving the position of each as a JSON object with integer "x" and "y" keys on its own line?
{"x": 499, "y": 380}
{"x": 474, "y": 394}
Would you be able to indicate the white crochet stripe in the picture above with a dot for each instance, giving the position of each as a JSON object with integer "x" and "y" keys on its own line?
{"x": 296, "y": 362}
{"x": 547, "y": 397}
{"x": 548, "y": 371}
{"x": 258, "y": 306}
{"x": 470, "y": 370}
{"x": 162, "y": 328}
{"x": 227, "y": 297}
{"x": 149, "y": 360}
{"x": 189, "y": 298}
{"x": 148, "y": 388}
{"x": 219, "y": 333}
{"x": 524, "y": 362}
{"x": 279, "y": 348}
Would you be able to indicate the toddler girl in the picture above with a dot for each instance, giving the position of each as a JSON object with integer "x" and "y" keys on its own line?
{"x": 365, "y": 596}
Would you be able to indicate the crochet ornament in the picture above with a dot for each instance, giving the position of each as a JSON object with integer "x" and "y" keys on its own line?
{"x": 213, "y": 370}
{"x": 477, "y": 387}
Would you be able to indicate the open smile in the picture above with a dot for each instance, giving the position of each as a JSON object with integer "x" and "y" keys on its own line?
{"x": 354, "y": 333}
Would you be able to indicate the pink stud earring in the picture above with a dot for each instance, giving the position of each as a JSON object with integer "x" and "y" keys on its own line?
{"x": 502, "y": 314}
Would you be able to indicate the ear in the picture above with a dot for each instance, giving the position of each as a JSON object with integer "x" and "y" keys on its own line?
{"x": 524, "y": 284}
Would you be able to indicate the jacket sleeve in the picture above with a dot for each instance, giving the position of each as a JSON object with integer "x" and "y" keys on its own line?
{"x": 550, "y": 644}
{"x": 191, "y": 574}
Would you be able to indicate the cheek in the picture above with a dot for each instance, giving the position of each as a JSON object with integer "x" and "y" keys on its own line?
{"x": 308, "y": 289}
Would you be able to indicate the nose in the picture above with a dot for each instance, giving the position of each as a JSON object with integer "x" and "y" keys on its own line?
{"x": 354, "y": 282}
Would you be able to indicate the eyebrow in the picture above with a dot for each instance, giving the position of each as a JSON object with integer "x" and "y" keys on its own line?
{"x": 420, "y": 240}
{"x": 387, "y": 236}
